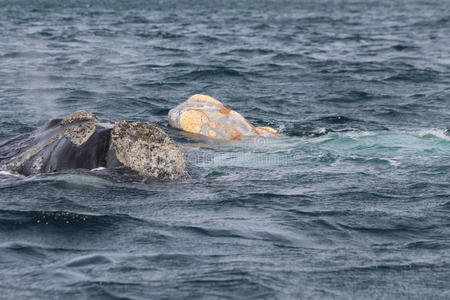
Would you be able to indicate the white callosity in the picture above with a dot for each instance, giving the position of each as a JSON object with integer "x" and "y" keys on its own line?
{"x": 204, "y": 115}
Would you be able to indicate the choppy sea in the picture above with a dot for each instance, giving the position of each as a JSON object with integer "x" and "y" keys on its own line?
{"x": 354, "y": 203}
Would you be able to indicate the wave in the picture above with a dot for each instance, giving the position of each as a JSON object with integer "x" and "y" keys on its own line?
{"x": 7, "y": 173}
{"x": 438, "y": 133}
{"x": 248, "y": 52}
{"x": 33, "y": 253}
{"x": 415, "y": 75}
{"x": 19, "y": 219}
{"x": 209, "y": 74}
{"x": 442, "y": 134}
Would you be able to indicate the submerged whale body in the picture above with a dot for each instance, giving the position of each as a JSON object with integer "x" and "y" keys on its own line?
{"x": 204, "y": 115}
{"x": 80, "y": 141}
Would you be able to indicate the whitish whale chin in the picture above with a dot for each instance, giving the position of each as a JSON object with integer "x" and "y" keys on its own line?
{"x": 207, "y": 116}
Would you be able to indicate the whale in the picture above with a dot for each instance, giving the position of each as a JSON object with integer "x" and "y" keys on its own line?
{"x": 206, "y": 116}
{"x": 81, "y": 141}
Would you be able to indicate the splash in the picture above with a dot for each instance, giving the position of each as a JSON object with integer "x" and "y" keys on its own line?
{"x": 41, "y": 95}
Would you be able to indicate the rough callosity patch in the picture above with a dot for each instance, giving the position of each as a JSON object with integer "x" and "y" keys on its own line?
{"x": 204, "y": 99}
{"x": 80, "y": 115}
{"x": 81, "y": 142}
{"x": 17, "y": 163}
{"x": 192, "y": 120}
{"x": 265, "y": 131}
{"x": 204, "y": 115}
{"x": 76, "y": 133}
{"x": 147, "y": 149}
{"x": 80, "y": 133}
{"x": 37, "y": 164}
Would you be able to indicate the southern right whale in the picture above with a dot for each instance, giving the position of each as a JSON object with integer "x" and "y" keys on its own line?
{"x": 80, "y": 141}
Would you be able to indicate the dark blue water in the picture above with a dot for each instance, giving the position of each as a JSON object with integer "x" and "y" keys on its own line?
{"x": 353, "y": 204}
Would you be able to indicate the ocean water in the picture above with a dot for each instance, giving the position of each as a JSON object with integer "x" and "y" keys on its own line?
{"x": 354, "y": 203}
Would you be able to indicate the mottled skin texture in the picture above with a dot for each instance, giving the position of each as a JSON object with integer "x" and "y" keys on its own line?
{"x": 146, "y": 148}
{"x": 207, "y": 116}
{"x": 79, "y": 141}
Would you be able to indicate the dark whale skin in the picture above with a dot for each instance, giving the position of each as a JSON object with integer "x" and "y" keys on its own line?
{"x": 62, "y": 154}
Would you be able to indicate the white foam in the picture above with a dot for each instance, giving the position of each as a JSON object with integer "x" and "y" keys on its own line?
{"x": 393, "y": 162}
{"x": 7, "y": 173}
{"x": 321, "y": 130}
{"x": 358, "y": 134}
{"x": 98, "y": 169}
{"x": 439, "y": 133}
{"x": 106, "y": 125}
{"x": 436, "y": 132}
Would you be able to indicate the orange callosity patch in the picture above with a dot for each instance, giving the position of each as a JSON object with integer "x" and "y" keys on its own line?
{"x": 191, "y": 120}
{"x": 225, "y": 111}
{"x": 267, "y": 129}
{"x": 212, "y": 133}
{"x": 236, "y": 135}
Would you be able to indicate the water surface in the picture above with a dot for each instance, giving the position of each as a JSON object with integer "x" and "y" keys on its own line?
{"x": 353, "y": 204}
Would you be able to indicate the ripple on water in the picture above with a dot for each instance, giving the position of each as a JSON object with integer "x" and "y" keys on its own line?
{"x": 351, "y": 204}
